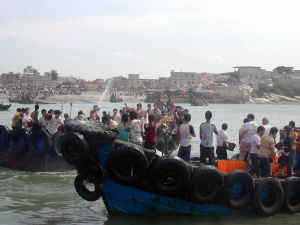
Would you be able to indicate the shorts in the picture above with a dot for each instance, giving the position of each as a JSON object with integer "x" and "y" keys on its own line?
{"x": 207, "y": 152}
{"x": 184, "y": 153}
{"x": 244, "y": 150}
{"x": 221, "y": 152}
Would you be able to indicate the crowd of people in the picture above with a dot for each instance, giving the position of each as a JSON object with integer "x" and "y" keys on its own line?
{"x": 143, "y": 127}
{"x": 22, "y": 93}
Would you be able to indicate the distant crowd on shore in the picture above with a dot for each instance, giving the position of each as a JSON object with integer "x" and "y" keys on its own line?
{"x": 21, "y": 93}
{"x": 144, "y": 127}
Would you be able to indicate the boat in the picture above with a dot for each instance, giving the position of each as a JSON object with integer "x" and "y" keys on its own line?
{"x": 4, "y": 107}
{"x": 31, "y": 151}
{"x": 198, "y": 103}
{"x": 137, "y": 181}
{"x": 114, "y": 98}
{"x": 27, "y": 102}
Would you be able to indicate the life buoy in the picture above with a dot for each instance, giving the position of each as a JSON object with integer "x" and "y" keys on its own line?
{"x": 169, "y": 175}
{"x": 127, "y": 165}
{"x": 40, "y": 142}
{"x": 18, "y": 141}
{"x": 207, "y": 182}
{"x": 4, "y": 137}
{"x": 239, "y": 189}
{"x": 268, "y": 196}
{"x": 291, "y": 189}
{"x": 80, "y": 183}
{"x": 74, "y": 149}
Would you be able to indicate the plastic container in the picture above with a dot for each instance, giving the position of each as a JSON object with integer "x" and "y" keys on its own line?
{"x": 227, "y": 166}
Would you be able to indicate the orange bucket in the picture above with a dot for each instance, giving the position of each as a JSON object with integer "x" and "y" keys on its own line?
{"x": 227, "y": 166}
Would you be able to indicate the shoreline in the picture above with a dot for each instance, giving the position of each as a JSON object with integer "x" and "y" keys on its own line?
{"x": 94, "y": 96}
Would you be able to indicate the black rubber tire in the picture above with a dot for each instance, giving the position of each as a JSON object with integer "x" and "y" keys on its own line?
{"x": 92, "y": 132}
{"x": 127, "y": 165}
{"x": 74, "y": 149}
{"x": 169, "y": 175}
{"x": 268, "y": 196}
{"x": 239, "y": 189}
{"x": 207, "y": 183}
{"x": 83, "y": 191}
{"x": 56, "y": 143}
{"x": 18, "y": 141}
{"x": 4, "y": 137}
{"x": 291, "y": 190}
{"x": 35, "y": 137}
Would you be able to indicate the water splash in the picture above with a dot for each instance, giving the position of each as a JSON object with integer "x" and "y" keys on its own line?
{"x": 104, "y": 93}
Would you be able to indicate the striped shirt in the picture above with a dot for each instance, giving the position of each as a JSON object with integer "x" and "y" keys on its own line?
{"x": 150, "y": 133}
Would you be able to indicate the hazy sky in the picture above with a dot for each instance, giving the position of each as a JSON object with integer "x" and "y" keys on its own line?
{"x": 99, "y": 39}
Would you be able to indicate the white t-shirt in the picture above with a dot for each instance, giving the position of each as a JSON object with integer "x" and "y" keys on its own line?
{"x": 135, "y": 131}
{"x": 25, "y": 119}
{"x": 222, "y": 137}
{"x": 43, "y": 122}
{"x": 53, "y": 124}
{"x": 185, "y": 134}
{"x": 250, "y": 128}
{"x": 255, "y": 140}
{"x": 267, "y": 128}
{"x": 117, "y": 118}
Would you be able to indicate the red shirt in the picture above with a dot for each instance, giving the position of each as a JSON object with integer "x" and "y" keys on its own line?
{"x": 150, "y": 133}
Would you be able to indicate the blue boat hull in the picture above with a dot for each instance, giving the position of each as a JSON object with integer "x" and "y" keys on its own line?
{"x": 121, "y": 199}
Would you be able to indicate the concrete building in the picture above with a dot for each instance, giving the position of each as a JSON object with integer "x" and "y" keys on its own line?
{"x": 11, "y": 78}
{"x": 64, "y": 79}
{"x": 186, "y": 79}
{"x": 252, "y": 74}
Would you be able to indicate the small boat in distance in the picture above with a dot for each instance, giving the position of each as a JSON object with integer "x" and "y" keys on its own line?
{"x": 4, "y": 107}
{"x": 198, "y": 103}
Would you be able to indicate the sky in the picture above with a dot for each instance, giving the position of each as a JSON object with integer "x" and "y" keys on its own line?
{"x": 100, "y": 38}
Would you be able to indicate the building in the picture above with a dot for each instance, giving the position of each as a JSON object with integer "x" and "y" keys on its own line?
{"x": 64, "y": 79}
{"x": 186, "y": 79}
{"x": 11, "y": 78}
{"x": 252, "y": 74}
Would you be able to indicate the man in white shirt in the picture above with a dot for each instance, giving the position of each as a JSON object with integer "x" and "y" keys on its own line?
{"x": 116, "y": 116}
{"x": 222, "y": 142}
{"x": 43, "y": 121}
{"x": 266, "y": 125}
{"x": 254, "y": 146}
{"x": 249, "y": 129}
{"x": 26, "y": 120}
{"x": 186, "y": 133}
{"x": 54, "y": 122}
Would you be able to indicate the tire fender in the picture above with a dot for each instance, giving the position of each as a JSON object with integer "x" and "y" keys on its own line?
{"x": 169, "y": 175}
{"x": 239, "y": 189}
{"x": 127, "y": 165}
{"x": 74, "y": 149}
{"x": 268, "y": 196}
{"x": 291, "y": 190}
{"x": 207, "y": 183}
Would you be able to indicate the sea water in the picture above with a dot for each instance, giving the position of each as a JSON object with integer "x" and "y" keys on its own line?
{"x": 50, "y": 198}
